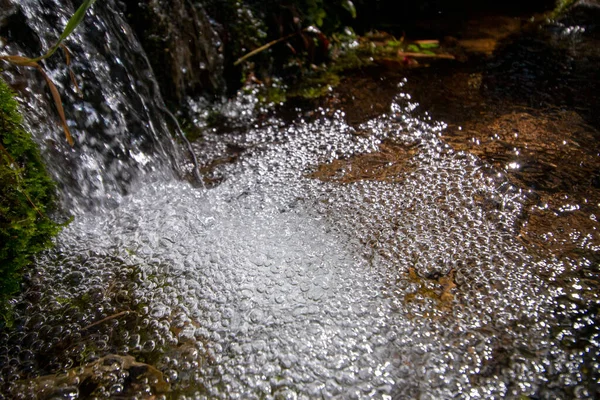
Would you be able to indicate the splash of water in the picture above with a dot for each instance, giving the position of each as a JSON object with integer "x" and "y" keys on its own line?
{"x": 118, "y": 125}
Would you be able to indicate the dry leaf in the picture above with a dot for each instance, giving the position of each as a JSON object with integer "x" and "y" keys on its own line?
{"x": 58, "y": 103}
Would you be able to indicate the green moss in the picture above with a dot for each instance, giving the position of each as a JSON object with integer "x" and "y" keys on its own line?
{"x": 562, "y": 6}
{"x": 275, "y": 93}
{"x": 315, "y": 86}
{"x": 63, "y": 300}
{"x": 26, "y": 196}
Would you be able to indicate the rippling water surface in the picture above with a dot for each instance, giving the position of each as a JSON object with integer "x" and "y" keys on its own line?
{"x": 285, "y": 281}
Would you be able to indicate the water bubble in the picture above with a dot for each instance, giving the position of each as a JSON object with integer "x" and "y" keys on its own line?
{"x": 276, "y": 283}
{"x": 171, "y": 376}
{"x": 285, "y": 394}
{"x": 65, "y": 393}
{"x": 149, "y": 346}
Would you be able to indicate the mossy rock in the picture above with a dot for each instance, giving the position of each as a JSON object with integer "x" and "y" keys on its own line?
{"x": 27, "y": 195}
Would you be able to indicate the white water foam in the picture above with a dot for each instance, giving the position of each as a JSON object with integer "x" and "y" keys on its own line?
{"x": 278, "y": 285}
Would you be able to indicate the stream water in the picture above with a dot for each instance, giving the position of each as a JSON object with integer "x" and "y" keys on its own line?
{"x": 331, "y": 260}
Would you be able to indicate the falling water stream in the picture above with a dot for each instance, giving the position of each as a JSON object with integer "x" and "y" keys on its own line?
{"x": 290, "y": 278}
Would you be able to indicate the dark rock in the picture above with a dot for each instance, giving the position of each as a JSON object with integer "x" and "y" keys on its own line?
{"x": 183, "y": 48}
{"x": 554, "y": 65}
{"x": 585, "y": 13}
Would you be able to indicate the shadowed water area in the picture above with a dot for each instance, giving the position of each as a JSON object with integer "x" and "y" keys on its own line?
{"x": 416, "y": 234}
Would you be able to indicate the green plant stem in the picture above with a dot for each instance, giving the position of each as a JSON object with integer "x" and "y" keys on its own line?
{"x": 265, "y": 47}
{"x": 74, "y": 21}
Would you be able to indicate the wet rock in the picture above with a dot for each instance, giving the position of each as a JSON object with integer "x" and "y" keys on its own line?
{"x": 583, "y": 12}
{"x": 552, "y": 65}
{"x": 182, "y": 46}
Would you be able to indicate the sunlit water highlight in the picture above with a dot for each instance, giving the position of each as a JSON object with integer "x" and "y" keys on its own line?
{"x": 277, "y": 285}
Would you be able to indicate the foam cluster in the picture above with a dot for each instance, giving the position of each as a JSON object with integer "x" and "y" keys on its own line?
{"x": 275, "y": 284}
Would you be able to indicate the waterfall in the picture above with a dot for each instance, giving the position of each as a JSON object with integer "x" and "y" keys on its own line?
{"x": 118, "y": 122}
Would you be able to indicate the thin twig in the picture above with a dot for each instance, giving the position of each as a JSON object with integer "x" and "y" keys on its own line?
{"x": 266, "y": 46}
{"x": 117, "y": 315}
{"x": 163, "y": 108}
{"x": 190, "y": 149}
{"x": 424, "y": 55}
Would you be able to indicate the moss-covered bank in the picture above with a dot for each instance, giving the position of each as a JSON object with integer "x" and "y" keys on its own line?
{"x": 27, "y": 195}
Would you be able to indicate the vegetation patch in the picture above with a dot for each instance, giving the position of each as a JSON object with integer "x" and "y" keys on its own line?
{"x": 562, "y": 7}
{"x": 27, "y": 195}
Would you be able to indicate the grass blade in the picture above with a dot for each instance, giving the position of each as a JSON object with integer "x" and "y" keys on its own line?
{"x": 74, "y": 21}
{"x": 423, "y": 54}
{"x": 349, "y": 6}
{"x": 308, "y": 29}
